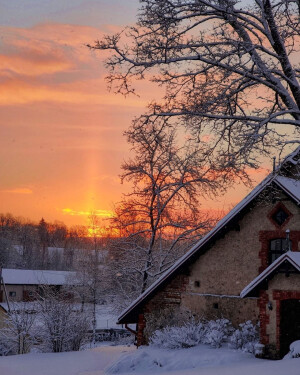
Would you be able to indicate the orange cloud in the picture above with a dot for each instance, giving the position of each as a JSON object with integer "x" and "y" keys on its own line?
{"x": 57, "y": 33}
{"x": 32, "y": 65}
{"x": 17, "y": 191}
{"x": 52, "y": 41}
{"x": 100, "y": 213}
{"x": 19, "y": 92}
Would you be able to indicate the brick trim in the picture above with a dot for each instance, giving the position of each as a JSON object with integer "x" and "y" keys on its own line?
{"x": 140, "y": 339}
{"x": 278, "y": 206}
{"x": 278, "y": 296}
{"x": 264, "y": 318}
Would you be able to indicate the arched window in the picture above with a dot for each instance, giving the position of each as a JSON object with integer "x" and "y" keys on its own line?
{"x": 278, "y": 246}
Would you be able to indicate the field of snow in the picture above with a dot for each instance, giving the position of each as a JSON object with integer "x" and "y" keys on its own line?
{"x": 144, "y": 361}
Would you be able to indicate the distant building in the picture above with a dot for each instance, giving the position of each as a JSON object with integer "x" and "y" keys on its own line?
{"x": 22, "y": 285}
{"x": 246, "y": 268}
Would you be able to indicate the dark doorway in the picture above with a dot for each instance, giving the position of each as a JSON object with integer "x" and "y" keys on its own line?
{"x": 289, "y": 324}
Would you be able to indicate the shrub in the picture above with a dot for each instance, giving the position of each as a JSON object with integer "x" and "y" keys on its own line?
{"x": 212, "y": 332}
{"x": 245, "y": 338}
{"x": 217, "y": 332}
{"x": 169, "y": 317}
{"x": 63, "y": 327}
{"x": 186, "y": 336}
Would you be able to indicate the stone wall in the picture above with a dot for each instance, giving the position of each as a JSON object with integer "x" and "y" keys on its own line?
{"x": 210, "y": 287}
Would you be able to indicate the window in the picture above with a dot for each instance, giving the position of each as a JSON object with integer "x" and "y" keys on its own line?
{"x": 280, "y": 216}
{"x": 12, "y": 294}
{"x": 197, "y": 283}
{"x": 278, "y": 246}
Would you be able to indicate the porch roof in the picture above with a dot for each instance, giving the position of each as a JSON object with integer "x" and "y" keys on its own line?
{"x": 291, "y": 257}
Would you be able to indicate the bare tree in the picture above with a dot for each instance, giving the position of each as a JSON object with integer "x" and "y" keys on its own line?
{"x": 230, "y": 70}
{"x": 160, "y": 218}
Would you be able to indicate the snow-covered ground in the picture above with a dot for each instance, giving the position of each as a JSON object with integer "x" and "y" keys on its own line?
{"x": 144, "y": 361}
{"x": 86, "y": 362}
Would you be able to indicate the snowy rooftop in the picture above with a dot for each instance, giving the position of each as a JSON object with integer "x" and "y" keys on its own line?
{"x": 293, "y": 257}
{"x": 36, "y": 277}
{"x": 290, "y": 186}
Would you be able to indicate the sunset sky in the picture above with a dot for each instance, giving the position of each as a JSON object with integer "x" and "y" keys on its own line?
{"x": 61, "y": 139}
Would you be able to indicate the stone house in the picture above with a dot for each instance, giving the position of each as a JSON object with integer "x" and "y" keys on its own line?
{"x": 216, "y": 277}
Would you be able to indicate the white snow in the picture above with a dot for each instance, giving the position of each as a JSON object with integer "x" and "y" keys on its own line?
{"x": 294, "y": 350}
{"x": 144, "y": 361}
{"x": 35, "y": 277}
{"x": 87, "y": 362}
{"x": 289, "y": 185}
{"x": 293, "y": 257}
{"x": 218, "y": 295}
{"x": 105, "y": 317}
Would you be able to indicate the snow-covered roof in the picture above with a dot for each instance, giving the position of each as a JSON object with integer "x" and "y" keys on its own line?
{"x": 35, "y": 277}
{"x": 288, "y": 185}
{"x": 293, "y": 257}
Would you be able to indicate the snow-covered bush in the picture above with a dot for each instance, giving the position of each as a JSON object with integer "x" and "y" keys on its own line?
{"x": 17, "y": 336}
{"x": 212, "y": 332}
{"x": 217, "y": 332}
{"x": 186, "y": 336}
{"x": 63, "y": 326}
{"x": 78, "y": 325}
{"x": 169, "y": 317}
{"x": 294, "y": 350}
{"x": 245, "y": 338}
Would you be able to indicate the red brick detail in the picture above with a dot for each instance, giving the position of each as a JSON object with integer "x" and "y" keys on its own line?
{"x": 169, "y": 296}
{"x": 278, "y": 206}
{"x": 264, "y": 318}
{"x": 140, "y": 339}
{"x": 286, "y": 294}
{"x": 280, "y": 295}
{"x": 265, "y": 236}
